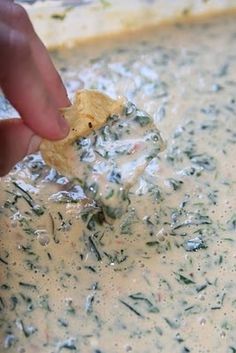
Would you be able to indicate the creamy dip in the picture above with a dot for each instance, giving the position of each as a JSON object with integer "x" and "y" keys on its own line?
{"x": 110, "y": 160}
{"x": 162, "y": 277}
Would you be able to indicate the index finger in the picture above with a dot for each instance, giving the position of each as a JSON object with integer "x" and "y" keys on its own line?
{"x": 16, "y": 17}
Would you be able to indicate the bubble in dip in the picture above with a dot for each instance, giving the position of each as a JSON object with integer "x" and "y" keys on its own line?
{"x": 43, "y": 237}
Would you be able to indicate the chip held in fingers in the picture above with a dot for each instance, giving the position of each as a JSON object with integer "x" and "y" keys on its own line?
{"x": 110, "y": 144}
{"x": 89, "y": 112}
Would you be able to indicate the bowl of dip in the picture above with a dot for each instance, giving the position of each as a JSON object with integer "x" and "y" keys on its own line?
{"x": 162, "y": 277}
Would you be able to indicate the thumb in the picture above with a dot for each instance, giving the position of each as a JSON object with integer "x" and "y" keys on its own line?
{"x": 16, "y": 141}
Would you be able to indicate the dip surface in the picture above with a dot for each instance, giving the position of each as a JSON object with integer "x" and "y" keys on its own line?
{"x": 162, "y": 278}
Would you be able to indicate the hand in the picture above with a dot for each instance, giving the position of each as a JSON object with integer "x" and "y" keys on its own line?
{"x": 31, "y": 83}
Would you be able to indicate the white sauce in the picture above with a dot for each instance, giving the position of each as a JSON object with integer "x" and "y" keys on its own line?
{"x": 69, "y": 283}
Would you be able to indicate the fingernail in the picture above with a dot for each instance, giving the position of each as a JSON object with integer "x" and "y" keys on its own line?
{"x": 64, "y": 127}
{"x": 34, "y": 144}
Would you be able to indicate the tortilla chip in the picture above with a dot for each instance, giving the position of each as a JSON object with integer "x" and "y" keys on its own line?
{"x": 89, "y": 112}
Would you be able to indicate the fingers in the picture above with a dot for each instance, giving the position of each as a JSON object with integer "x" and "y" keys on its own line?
{"x": 41, "y": 57}
{"x": 16, "y": 141}
{"x": 33, "y": 86}
{"x": 28, "y": 77}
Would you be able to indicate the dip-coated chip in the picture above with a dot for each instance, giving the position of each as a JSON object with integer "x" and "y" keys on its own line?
{"x": 109, "y": 146}
{"x": 89, "y": 112}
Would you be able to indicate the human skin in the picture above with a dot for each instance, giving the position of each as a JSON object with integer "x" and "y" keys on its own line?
{"x": 31, "y": 83}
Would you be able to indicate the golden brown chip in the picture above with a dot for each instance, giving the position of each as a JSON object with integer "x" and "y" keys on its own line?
{"x": 90, "y": 111}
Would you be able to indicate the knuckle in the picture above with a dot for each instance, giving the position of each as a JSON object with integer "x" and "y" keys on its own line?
{"x": 15, "y": 47}
{"x": 14, "y": 37}
{"x": 17, "y": 40}
{"x": 19, "y": 45}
